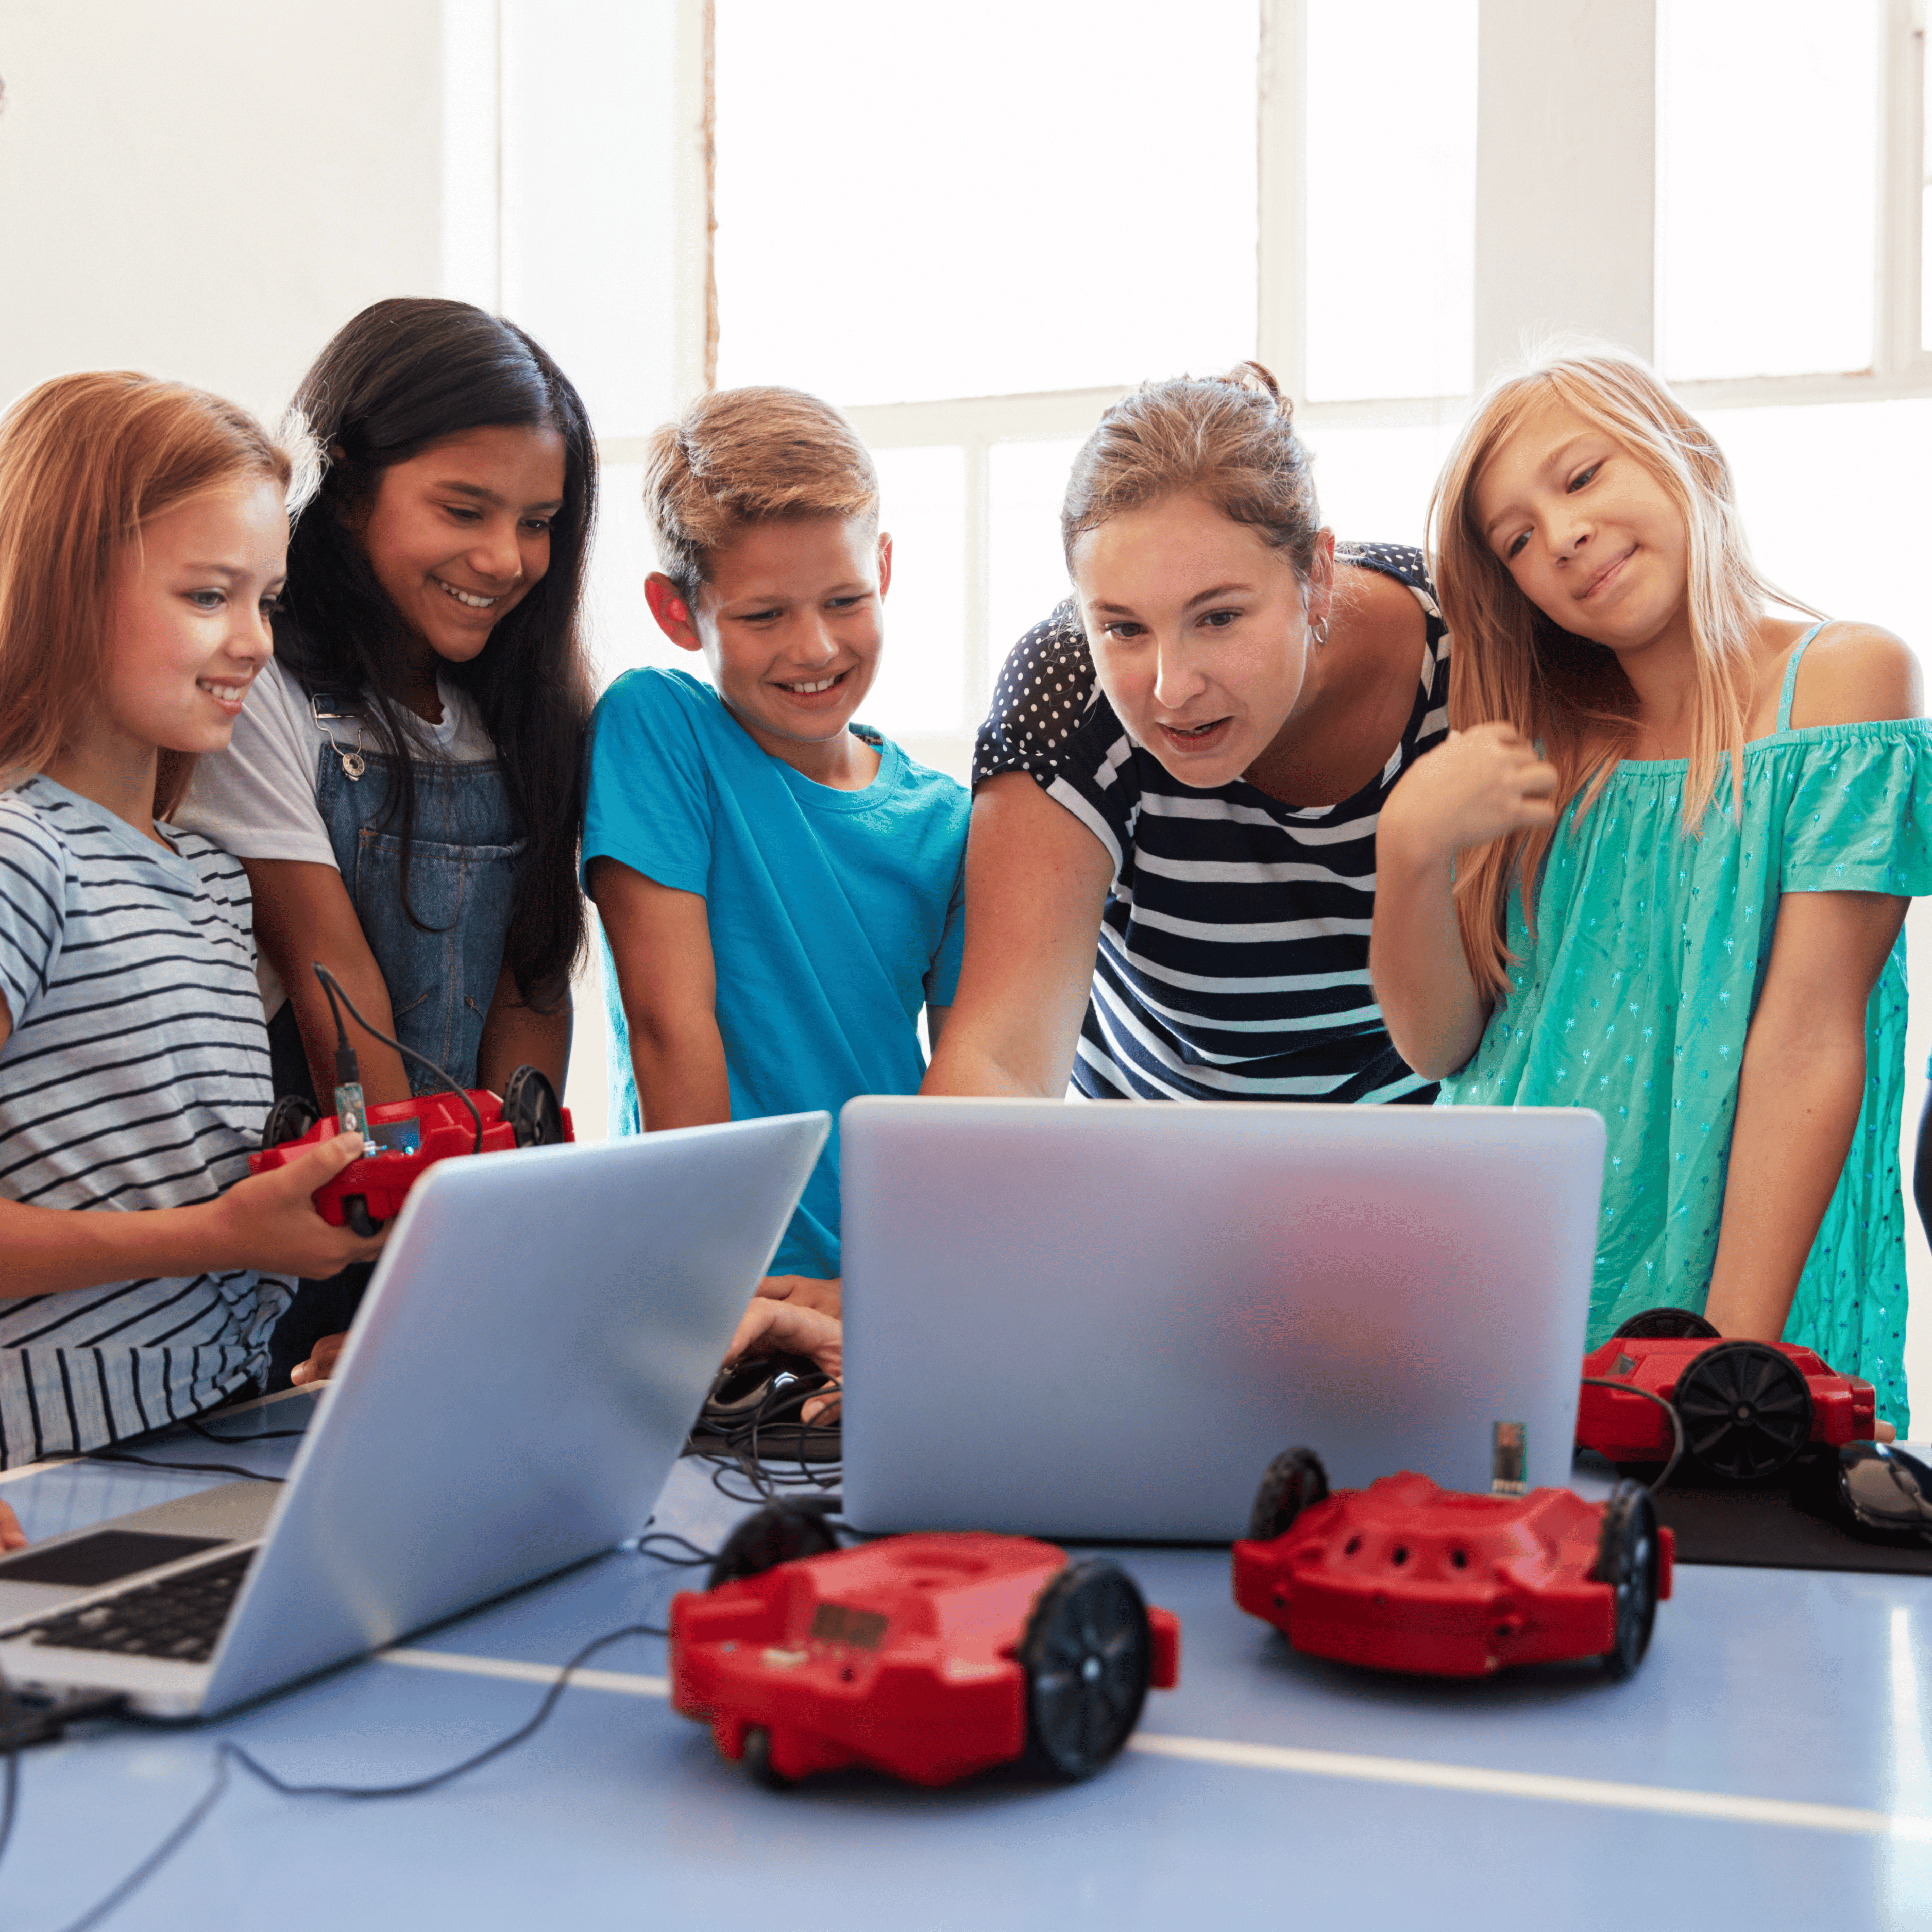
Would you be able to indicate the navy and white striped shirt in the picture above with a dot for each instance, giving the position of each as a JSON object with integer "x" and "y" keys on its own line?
{"x": 135, "y": 1076}
{"x": 1233, "y": 959}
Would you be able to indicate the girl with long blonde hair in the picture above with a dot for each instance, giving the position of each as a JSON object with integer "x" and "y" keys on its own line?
{"x": 143, "y": 539}
{"x": 1659, "y": 868}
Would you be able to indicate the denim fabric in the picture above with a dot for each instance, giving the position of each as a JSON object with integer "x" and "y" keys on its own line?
{"x": 462, "y": 879}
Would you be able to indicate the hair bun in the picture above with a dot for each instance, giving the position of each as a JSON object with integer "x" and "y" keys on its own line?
{"x": 1257, "y": 380}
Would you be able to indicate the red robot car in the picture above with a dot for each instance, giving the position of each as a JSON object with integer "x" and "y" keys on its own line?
{"x": 409, "y": 1138}
{"x": 1406, "y": 1575}
{"x": 929, "y": 1658}
{"x": 1747, "y": 1409}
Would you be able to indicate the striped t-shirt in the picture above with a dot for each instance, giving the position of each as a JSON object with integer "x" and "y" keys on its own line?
{"x": 1233, "y": 958}
{"x": 135, "y": 1076}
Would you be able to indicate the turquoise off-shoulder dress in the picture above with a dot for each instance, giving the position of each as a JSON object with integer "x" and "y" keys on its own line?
{"x": 1635, "y": 994}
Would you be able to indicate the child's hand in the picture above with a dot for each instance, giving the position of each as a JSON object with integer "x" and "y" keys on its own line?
{"x": 321, "y": 1365}
{"x": 774, "y": 1327}
{"x": 1477, "y": 785}
{"x": 804, "y": 1290}
{"x": 269, "y": 1223}
{"x": 12, "y": 1536}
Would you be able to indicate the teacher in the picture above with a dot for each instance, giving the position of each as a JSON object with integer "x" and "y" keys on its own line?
{"x": 1171, "y": 873}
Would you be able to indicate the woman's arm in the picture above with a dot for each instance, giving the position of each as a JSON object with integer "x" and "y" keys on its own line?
{"x": 1037, "y": 881}
{"x": 268, "y": 1222}
{"x": 1477, "y": 785}
{"x": 303, "y": 913}
{"x": 660, "y": 941}
{"x": 515, "y": 1034}
{"x": 1798, "y": 1094}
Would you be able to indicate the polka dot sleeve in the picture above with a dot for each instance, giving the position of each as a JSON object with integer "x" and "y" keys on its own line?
{"x": 1045, "y": 700}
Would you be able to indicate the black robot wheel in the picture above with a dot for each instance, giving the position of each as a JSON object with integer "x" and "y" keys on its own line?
{"x": 1745, "y": 1408}
{"x": 1087, "y": 1654}
{"x": 778, "y": 1533}
{"x": 1665, "y": 1324}
{"x": 529, "y": 1106}
{"x": 289, "y": 1119}
{"x": 758, "y": 1759}
{"x": 1628, "y": 1559}
{"x": 1295, "y": 1481}
{"x": 356, "y": 1212}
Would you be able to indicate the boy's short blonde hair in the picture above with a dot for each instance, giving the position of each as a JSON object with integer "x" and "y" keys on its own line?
{"x": 741, "y": 457}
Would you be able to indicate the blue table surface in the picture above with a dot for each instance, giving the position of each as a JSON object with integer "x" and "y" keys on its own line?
{"x": 1767, "y": 1766}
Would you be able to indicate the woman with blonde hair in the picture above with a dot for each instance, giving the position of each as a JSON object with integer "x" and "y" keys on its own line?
{"x": 1661, "y": 868}
{"x": 143, "y": 536}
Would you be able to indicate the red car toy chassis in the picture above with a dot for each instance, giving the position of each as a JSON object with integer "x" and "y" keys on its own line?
{"x": 929, "y": 1657}
{"x": 1747, "y": 1408}
{"x": 411, "y": 1137}
{"x": 1406, "y": 1576}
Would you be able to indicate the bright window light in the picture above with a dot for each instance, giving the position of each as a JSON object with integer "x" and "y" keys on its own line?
{"x": 921, "y": 201}
{"x": 1925, "y": 208}
{"x": 1867, "y": 560}
{"x": 921, "y": 681}
{"x": 1768, "y": 173}
{"x": 1025, "y": 483}
{"x": 1390, "y": 170}
{"x": 1374, "y": 482}
{"x": 624, "y": 635}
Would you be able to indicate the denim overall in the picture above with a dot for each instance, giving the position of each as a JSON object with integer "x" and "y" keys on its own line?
{"x": 464, "y": 860}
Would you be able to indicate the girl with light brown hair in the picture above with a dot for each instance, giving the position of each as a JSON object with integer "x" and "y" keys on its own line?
{"x": 1661, "y": 868}
{"x": 143, "y": 534}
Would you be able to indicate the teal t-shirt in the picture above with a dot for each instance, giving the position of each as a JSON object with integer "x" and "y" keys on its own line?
{"x": 835, "y": 916}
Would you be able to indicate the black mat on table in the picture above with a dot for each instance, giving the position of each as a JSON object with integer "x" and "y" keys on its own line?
{"x": 1759, "y": 1525}
{"x": 1765, "y": 1527}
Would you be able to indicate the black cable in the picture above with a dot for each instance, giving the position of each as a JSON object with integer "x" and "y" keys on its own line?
{"x": 9, "y": 1744}
{"x": 332, "y": 987}
{"x": 1668, "y": 1407}
{"x": 260, "y": 1435}
{"x": 159, "y": 1855}
{"x": 194, "y": 1469}
{"x": 561, "y": 1683}
{"x": 691, "y": 1561}
{"x": 228, "y": 1752}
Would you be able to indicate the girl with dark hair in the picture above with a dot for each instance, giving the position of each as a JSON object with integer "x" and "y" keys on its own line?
{"x": 1171, "y": 870}
{"x": 404, "y": 784}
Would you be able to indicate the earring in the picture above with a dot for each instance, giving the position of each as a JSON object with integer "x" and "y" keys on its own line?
{"x": 1320, "y": 633}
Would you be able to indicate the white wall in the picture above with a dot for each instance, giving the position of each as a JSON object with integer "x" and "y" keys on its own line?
{"x": 208, "y": 192}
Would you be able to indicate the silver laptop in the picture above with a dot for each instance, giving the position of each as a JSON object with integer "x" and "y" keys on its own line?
{"x": 1102, "y": 1322}
{"x": 533, "y": 1347}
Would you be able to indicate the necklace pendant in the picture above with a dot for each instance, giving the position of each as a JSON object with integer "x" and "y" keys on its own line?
{"x": 353, "y": 765}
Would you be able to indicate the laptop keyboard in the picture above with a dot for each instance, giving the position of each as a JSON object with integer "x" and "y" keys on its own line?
{"x": 179, "y": 1618}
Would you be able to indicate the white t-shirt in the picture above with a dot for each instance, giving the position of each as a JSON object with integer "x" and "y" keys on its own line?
{"x": 258, "y": 798}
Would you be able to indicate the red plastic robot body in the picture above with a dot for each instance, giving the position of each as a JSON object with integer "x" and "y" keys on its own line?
{"x": 1406, "y": 1575}
{"x": 414, "y": 1134}
{"x": 1735, "y": 1400}
{"x": 930, "y": 1657}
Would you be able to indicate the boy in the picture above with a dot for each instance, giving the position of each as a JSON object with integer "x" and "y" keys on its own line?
{"x": 780, "y": 889}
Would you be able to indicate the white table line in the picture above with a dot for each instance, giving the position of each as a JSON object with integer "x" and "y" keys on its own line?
{"x": 623, "y": 1682}
{"x": 1787, "y": 1813}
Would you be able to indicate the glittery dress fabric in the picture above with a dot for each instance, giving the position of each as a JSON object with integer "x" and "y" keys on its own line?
{"x": 1635, "y": 995}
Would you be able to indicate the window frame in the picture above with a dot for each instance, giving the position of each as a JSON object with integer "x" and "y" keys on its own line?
{"x": 1510, "y": 61}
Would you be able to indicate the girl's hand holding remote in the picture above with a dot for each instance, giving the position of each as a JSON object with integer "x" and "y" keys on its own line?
{"x": 269, "y": 1222}
{"x": 1477, "y": 785}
